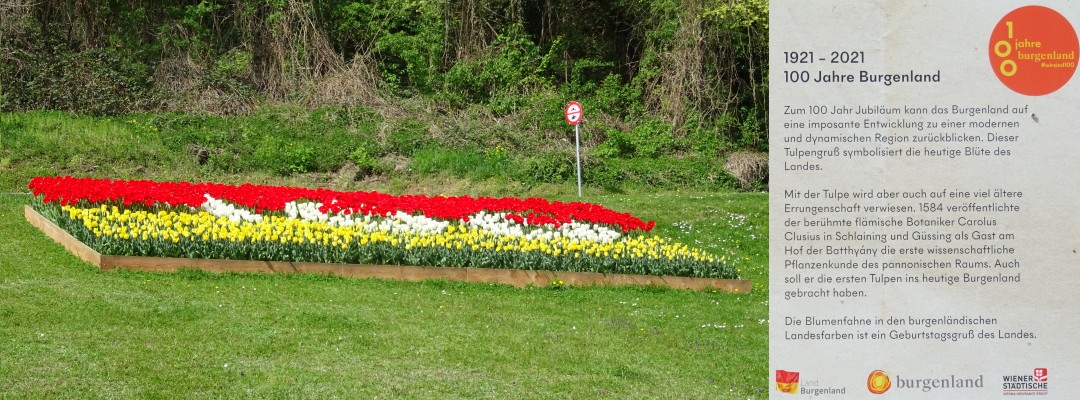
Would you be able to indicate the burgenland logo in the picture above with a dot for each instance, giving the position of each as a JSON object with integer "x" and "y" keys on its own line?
{"x": 937, "y": 383}
{"x": 787, "y": 381}
{"x": 878, "y": 382}
{"x": 1037, "y": 383}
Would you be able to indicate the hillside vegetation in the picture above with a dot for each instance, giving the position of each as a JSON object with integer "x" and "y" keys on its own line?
{"x": 674, "y": 91}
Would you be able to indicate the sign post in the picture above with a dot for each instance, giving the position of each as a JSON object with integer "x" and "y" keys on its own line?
{"x": 573, "y": 116}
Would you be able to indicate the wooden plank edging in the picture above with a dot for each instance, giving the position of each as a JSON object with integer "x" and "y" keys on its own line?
{"x": 62, "y": 237}
{"x": 515, "y": 277}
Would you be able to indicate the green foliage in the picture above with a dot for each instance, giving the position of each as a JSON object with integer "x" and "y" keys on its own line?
{"x": 366, "y": 159}
{"x": 751, "y": 132}
{"x": 547, "y": 167}
{"x": 613, "y": 97}
{"x": 586, "y": 76}
{"x": 617, "y": 174}
{"x": 501, "y": 78}
{"x": 197, "y": 16}
{"x": 497, "y": 155}
{"x": 406, "y": 37}
{"x": 283, "y": 157}
{"x": 235, "y": 64}
{"x": 667, "y": 59}
{"x": 543, "y": 114}
{"x": 406, "y": 136}
{"x": 469, "y": 163}
{"x": 740, "y": 15}
{"x": 109, "y": 81}
{"x": 83, "y": 143}
{"x": 659, "y": 79}
{"x": 649, "y": 139}
{"x": 431, "y": 160}
{"x": 287, "y": 142}
{"x": 711, "y": 139}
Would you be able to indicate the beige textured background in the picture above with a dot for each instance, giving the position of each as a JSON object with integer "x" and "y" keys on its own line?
{"x": 952, "y": 37}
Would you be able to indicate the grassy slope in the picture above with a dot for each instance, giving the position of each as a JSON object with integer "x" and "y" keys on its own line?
{"x": 69, "y": 330}
{"x": 301, "y": 146}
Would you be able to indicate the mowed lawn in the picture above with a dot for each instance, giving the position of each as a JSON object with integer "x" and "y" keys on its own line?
{"x": 68, "y": 330}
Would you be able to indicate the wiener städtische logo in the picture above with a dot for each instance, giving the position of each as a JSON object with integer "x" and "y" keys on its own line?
{"x": 878, "y": 382}
{"x": 787, "y": 381}
{"x": 1034, "y": 384}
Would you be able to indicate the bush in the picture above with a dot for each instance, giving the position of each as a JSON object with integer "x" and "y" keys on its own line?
{"x": 649, "y": 139}
{"x": 366, "y": 159}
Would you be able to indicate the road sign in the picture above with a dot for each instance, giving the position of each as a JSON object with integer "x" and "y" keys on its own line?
{"x": 573, "y": 116}
{"x": 573, "y": 113}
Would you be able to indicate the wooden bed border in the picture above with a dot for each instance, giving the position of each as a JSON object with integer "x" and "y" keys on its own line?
{"x": 515, "y": 277}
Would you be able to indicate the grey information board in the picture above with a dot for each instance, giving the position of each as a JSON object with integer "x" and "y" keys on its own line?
{"x": 924, "y": 199}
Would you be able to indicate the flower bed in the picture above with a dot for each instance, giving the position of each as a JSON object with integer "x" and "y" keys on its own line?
{"x": 252, "y": 222}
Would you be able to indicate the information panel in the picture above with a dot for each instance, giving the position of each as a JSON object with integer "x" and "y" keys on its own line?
{"x": 924, "y": 199}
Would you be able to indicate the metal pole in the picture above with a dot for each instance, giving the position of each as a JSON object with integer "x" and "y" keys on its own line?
{"x": 577, "y": 148}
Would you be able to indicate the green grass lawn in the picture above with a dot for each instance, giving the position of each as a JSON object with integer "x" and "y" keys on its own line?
{"x": 68, "y": 330}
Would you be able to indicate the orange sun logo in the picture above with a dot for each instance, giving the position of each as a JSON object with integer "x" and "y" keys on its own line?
{"x": 878, "y": 382}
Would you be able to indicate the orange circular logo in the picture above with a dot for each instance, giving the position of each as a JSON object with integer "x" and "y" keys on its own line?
{"x": 878, "y": 382}
{"x": 1033, "y": 50}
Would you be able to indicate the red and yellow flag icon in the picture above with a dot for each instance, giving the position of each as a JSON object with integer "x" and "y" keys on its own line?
{"x": 878, "y": 382}
{"x": 787, "y": 381}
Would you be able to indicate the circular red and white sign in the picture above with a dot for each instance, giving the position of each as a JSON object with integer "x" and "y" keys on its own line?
{"x": 573, "y": 113}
